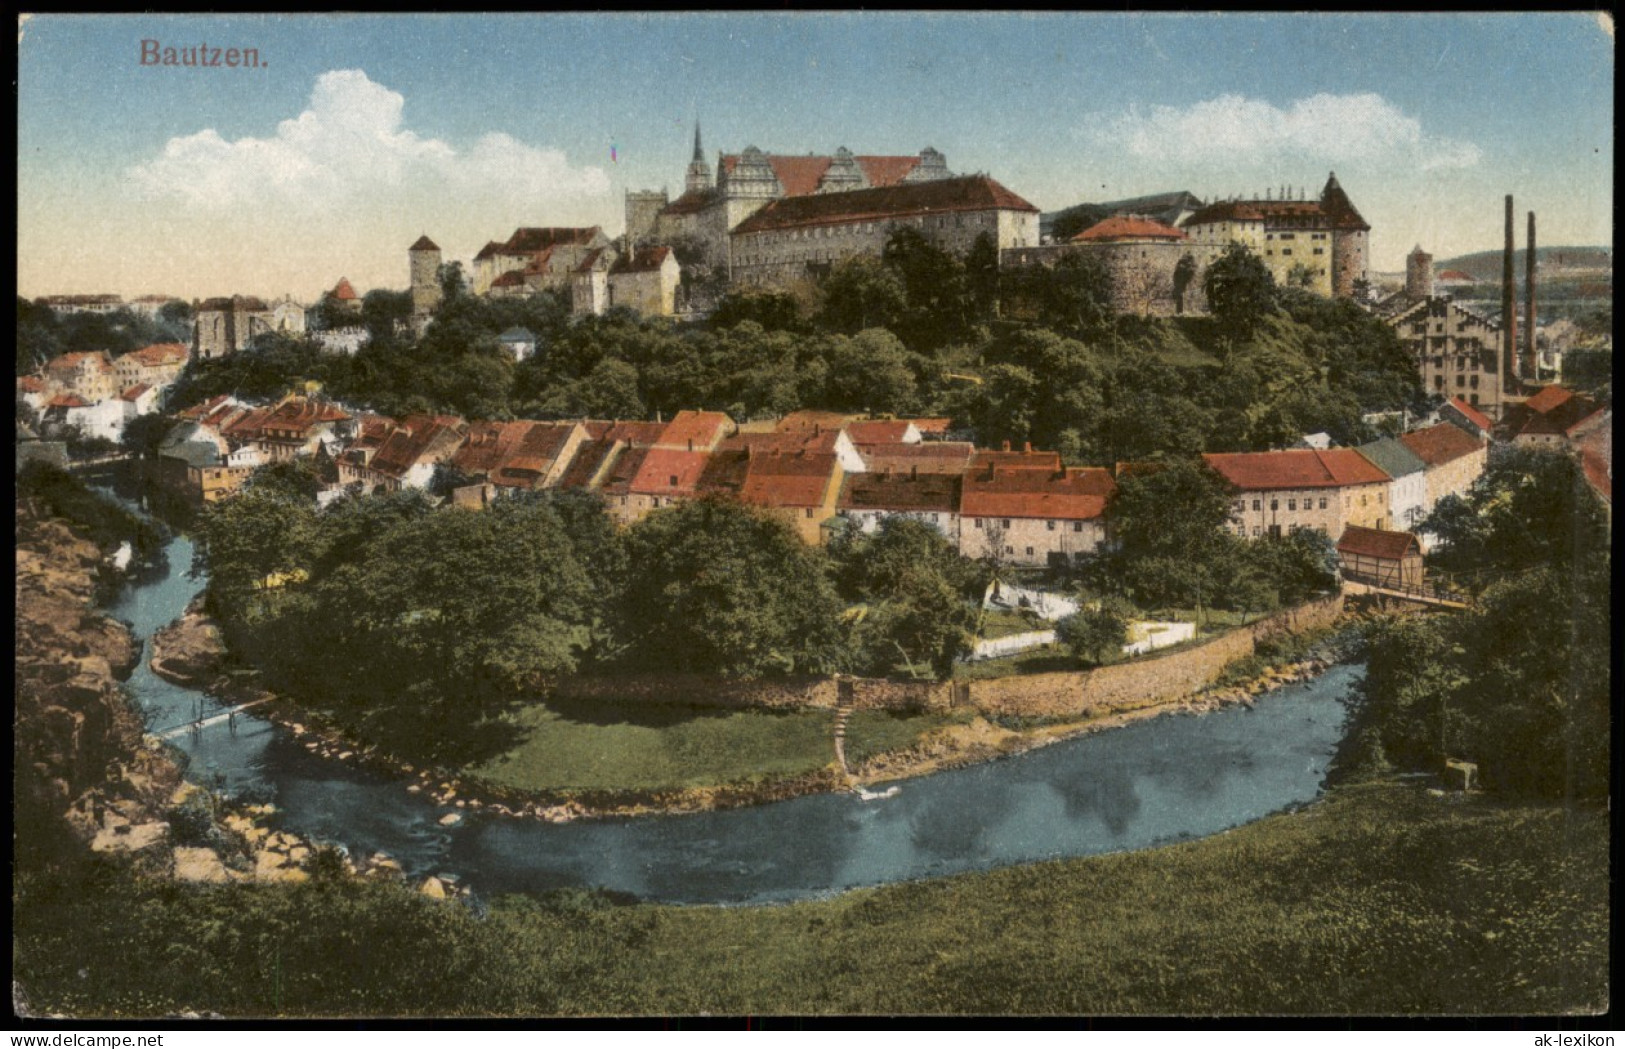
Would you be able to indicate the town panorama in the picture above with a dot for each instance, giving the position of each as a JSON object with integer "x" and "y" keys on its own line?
{"x": 1057, "y": 518}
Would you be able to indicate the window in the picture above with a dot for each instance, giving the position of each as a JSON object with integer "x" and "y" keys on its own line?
{"x": 809, "y": 513}
{"x": 674, "y": 480}
{"x": 1291, "y": 504}
{"x": 978, "y": 522}
{"x": 1077, "y": 526}
{"x": 1323, "y": 506}
{"x": 1461, "y": 380}
{"x": 1257, "y": 531}
{"x": 1320, "y": 251}
{"x": 1363, "y": 498}
{"x": 1286, "y": 251}
{"x": 1006, "y": 522}
{"x": 1289, "y": 236}
{"x": 1050, "y": 525}
{"x": 1258, "y": 504}
{"x": 1009, "y": 549}
{"x": 1275, "y": 504}
{"x": 1472, "y": 381}
{"x": 1029, "y": 551}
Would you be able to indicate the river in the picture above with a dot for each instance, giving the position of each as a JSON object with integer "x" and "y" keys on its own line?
{"x": 1149, "y": 783}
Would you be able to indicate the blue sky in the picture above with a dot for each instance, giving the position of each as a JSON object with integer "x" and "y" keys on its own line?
{"x": 361, "y": 132}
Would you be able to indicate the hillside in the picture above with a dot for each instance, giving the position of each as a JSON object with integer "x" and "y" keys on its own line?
{"x": 1554, "y": 262}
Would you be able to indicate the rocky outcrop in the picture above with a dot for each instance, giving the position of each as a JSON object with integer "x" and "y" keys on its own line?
{"x": 189, "y": 651}
{"x": 79, "y": 751}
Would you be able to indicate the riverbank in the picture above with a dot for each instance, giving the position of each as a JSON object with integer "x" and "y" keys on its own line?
{"x": 191, "y": 652}
{"x": 1379, "y": 899}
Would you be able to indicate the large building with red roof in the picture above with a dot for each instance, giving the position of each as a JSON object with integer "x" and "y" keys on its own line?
{"x": 1321, "y": 244}
{"x": 1457, "y": 352}
{"x": 1026, "y": 508}
{"x": 1454, "y": 458}
{"x": 1324, "y": 490}
{"x": 540, "y": 256}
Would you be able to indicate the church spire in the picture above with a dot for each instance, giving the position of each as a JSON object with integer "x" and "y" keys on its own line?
{"x": 699, "y": 154}
{"x": 699, "y": 172}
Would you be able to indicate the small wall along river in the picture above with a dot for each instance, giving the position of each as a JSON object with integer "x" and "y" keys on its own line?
{"x": 1148, "y": 783}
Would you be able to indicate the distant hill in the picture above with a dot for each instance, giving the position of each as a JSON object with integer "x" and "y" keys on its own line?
{"x": 1554, "y": 262}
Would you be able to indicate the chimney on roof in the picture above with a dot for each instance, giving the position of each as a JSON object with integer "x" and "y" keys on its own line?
{"x": 1509, "y": 308}
{"x": 1530, "y": 368}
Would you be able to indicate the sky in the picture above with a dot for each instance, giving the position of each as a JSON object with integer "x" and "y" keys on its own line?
{"x": 354, "y": 134}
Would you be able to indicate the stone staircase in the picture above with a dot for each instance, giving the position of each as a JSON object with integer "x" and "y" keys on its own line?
{"x": 843, "y": 713}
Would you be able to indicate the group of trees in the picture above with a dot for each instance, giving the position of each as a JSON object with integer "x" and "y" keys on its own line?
{"x": 1173, "y": 550}
{"x": 1520, "y": 682}
{"x": 393, "y": 608}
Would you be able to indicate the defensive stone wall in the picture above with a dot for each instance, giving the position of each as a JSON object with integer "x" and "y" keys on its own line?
{"x": 1063, "y": 694}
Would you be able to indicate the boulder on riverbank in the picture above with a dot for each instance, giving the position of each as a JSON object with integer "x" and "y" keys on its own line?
{"x": 189, "y": 651}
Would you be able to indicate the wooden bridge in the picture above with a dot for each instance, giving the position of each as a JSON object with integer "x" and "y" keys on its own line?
{"x": 215, "y": 719}
{"x": 1420, "y": 595}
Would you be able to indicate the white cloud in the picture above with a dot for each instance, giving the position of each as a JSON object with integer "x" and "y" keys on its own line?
{"x": 1334, "y": 129}
{"x": 349, "y": 148}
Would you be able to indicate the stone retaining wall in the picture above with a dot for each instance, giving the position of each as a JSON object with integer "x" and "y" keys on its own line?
{"x": 1067, "y": 693}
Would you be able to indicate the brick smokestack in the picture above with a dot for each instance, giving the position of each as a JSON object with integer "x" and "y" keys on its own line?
{"x": 1509, "y": 310}
{"x": 1531, "y": 368}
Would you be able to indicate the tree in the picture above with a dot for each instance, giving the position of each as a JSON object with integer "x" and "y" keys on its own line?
{"x": 773, "y": 310}
{"x": 871, "y": 371}
{"x": 1172, "y": 546}
{"x": 1098, "y": 630}
{"x": 862, "y": 293}
{"x": 934, "y": 287}
{"x": 722, "y": 588}
{"x": 1240, "y": 292}
{"x": 921, "y": 595}
{"x": 1076, "y": 296}
{"x": 982, "y": 276}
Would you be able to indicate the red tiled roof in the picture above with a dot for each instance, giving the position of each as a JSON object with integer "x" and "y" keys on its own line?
{"x": 423, "y": 243}
{"x": 812, "y": 420}
{"x": 488, "y": 444}
{"x": 1471, "y": 414}
{"x": 646, "y": 259}
{"x": 1347, "y": 466}
{"x": 67, "y": 400}
{"x": 637, "y": 434}
{"x": 158, "y": 354}
{"x": 590, "y": 456}
{"x": 972, "y": 193}
{"x": 878, "y": 431}
{"x": 1440, "y": 444}
{"x": 901, "y": 493}
{"x": 134, "y": 393}
{"x": 886, "y": 171}
{"x": 511, "y": 279}
{"x": 694, "y": 430}
{"x": 489, "y": 251}
{"x": 1548, "y": 398}
{"x": 538, "y": 262}
{"x": 1266, "y": 471}
{"x": 799, "y": 480}
{"x": 1078, "y": 493}
{"x": 417, "y": 436}
{"x": 938, "y": 425}
{"x": 668, "y": 472}
{"x": 624, "y": 470}
{"x": 1127, "y": 227}
{"x": 786, "y": 442}
{"x": 343, "y": 291}
{"x": 1455, "y": 275}
{"x": 534, "y": 454}
{"x": 70, "y": 361}
{"x": 589, "y": 261}
{"x": 198, "y": 411}
{"x": 1377, "y": 542}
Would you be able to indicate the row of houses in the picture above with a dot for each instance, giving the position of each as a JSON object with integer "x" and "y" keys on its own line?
{"x": 98, "y": 394}
{"x": 814, "y": 469}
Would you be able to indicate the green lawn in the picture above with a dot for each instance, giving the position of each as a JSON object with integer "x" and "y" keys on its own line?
{"x": 1004, "y": 622}
{"x": 595, "y": 747}
{"x": 1379, "y": 899}
{"x": 640, "y": 748}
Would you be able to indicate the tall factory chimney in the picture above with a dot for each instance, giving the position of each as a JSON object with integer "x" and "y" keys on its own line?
{"x": 1531, "y": 367}
{"x": 1509, "y": 311}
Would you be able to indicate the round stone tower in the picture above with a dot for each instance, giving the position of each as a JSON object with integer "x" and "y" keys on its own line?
{"x": 424, "y": 259}
{"x": 1418, "y": 275}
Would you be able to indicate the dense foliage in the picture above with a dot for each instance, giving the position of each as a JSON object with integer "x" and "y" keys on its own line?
{"x": 56, "y": 492}
{"x": 1520, "y": 683}
{"x": 43, "y": 335}
{"x": 1173, "y": 549}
